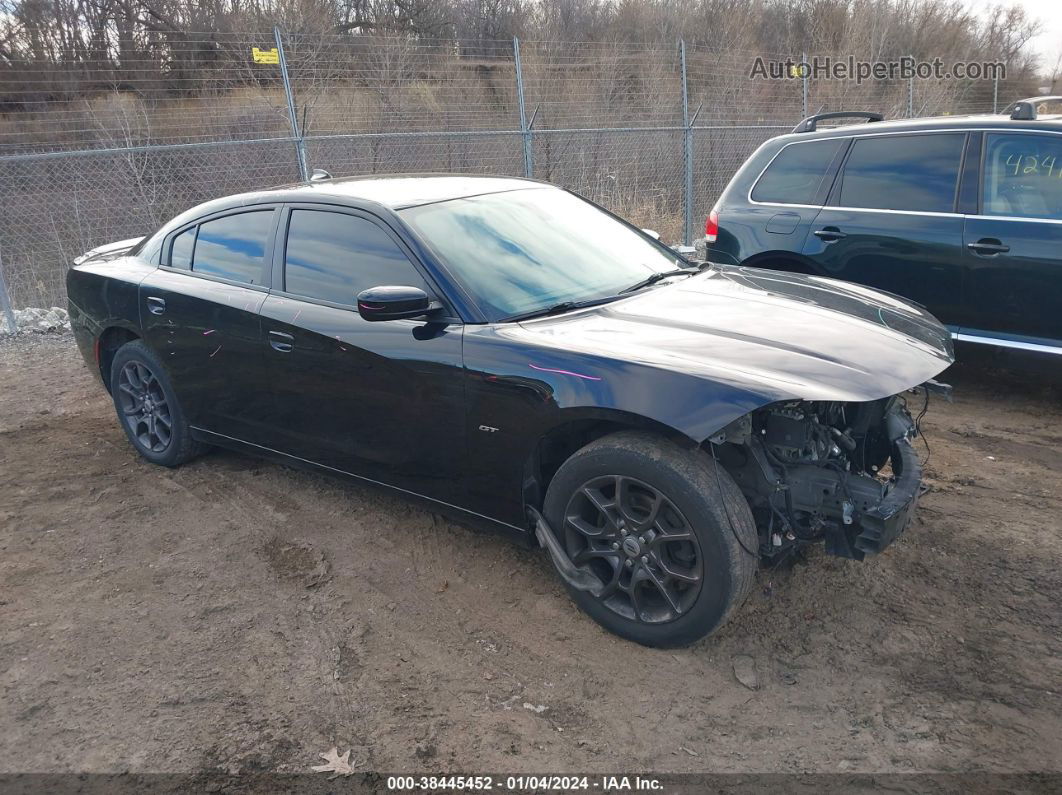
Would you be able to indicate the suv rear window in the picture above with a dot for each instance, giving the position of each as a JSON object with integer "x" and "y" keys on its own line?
{"x": 903, "y": 172}
{"x": 795, "y": 175}
{"x": 1023, "y": 176}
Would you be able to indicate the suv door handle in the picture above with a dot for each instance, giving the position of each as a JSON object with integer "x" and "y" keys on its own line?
{"x": 279, "y": 341}
{"x": 988, "y": 246}
{"x": 156, "y": 306}
{"x": 829, "y": 234}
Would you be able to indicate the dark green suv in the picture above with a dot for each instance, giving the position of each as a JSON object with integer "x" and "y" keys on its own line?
{"x": 960, "y": 214}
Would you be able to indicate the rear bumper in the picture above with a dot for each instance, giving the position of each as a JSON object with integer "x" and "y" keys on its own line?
{"x": 85, "y": 335}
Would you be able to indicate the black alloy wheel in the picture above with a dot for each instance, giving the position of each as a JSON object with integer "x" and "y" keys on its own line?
{"x": 144, "y": 407}
{"x": 638, "y": 545}
{"x": 662, "y": 537}
{"x": 147, "y": 407}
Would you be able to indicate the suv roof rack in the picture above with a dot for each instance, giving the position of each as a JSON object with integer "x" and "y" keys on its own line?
{"x": 1025, "y": 109}
{"x": 809, "y": 124}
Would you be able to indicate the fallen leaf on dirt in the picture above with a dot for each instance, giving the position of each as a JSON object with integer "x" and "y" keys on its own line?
{"x": 745, "y": 671}
{"x": 687, "y": 750}
{"x": 443, "y": 587}
{"x": 336, "y": 765}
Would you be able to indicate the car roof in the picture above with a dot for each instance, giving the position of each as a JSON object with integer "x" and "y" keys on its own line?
{"x": 399, "y": 191}
{"x": 1050, "y": 122}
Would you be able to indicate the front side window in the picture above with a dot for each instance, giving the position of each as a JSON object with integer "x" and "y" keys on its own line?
{"x": 234, "y": 247}
{"x": 797, "y": 174}
{"x": 334, "y": 256}
{"x": 1023, "y": 176}
{"x": 526, "y": 250}
{"x": 903, "y": 172}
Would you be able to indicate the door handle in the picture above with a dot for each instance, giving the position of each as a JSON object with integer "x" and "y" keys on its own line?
{"x": 156, "y": 306}
{"x": 279, "y": 341}
{"x": 828, "y": 234}
{"x": 988, "y": 246}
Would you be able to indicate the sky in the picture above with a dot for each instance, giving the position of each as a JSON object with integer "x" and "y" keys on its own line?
{"x": 1048, "y": 44}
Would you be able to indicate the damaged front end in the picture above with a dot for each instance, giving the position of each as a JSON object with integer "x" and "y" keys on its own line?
{"x": 842, "y": 473}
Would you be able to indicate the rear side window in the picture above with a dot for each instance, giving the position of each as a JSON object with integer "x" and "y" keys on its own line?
{"x": 334, "y": 256}
{"x": 1023, "y": 176}
{"x": 233, "y": 247}
{"x": 796, "y": 175}
{"x": 903, "y": 172}
{"x": 181, "y": 251}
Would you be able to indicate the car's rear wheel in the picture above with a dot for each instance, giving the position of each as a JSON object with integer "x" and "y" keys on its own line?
{"x": 665, "y": 532}
{"x": 148, "y": 409}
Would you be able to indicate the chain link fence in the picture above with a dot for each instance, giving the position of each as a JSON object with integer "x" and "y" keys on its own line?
{"x": 653, "y": 133}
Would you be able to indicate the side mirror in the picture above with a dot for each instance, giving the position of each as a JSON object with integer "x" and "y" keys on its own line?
{"x": 652, "y": 233}
{"x": 393, "y": 303}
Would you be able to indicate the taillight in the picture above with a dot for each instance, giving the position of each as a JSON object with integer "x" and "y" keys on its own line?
{"x": 711, "y": 226}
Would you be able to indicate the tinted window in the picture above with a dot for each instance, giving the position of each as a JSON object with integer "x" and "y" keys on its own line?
{"x": 524, "y": 250}
{"x": 903, "y": 172}
{"x": 181, "y": 253}
{"x": 233, "y": 247}
{"x": 1023, "y": 176}
{"x": 795, "y": 176}
{"x": 334, "y": 256}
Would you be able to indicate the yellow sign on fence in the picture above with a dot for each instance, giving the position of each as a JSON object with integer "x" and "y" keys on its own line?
{"x": 265, "y": 56}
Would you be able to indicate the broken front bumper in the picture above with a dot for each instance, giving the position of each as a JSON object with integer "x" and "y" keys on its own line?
{"x": 875, "y": 528}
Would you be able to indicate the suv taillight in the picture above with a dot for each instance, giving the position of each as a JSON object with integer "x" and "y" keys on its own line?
{"x": 711, "y": 226}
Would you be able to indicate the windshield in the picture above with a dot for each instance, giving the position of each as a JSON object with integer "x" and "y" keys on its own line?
{"x": 527, "y": 250}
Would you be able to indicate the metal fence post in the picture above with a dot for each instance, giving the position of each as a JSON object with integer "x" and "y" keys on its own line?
{"x": 910, "y": 93}
{"x": 5, "y": 301}
{"x": 804, "y": 86}
{"x": 529, "y": 154}
{"x": 687, "y": 152}
{"x": 300, "y": 144}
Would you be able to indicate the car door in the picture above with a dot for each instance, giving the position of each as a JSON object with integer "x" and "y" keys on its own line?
{"x": 383, "y": 400}
{"x": 891, "y": 220}
{"x": 1014, "y": 270}
{"x": 199, "y": 312}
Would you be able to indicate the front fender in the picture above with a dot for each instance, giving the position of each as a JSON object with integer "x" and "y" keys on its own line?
{"x": 517, "y": 395}
{"x": 547, "y": 386}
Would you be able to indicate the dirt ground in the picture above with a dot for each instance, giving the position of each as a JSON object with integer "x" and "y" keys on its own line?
{"x": 238, "y": 616}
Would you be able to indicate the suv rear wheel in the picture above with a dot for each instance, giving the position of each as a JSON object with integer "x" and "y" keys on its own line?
{"x": 665, "y": 532}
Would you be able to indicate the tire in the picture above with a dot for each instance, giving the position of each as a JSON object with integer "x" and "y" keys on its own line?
{"x": 608, "y": 488}
{"x": 136, "y": 374}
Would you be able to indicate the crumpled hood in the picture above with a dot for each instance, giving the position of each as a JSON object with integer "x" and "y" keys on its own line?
{"x": 785, "y": 336}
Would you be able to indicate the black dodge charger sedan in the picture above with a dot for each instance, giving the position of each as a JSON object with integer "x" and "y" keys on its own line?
{"x": 523, "y": 359}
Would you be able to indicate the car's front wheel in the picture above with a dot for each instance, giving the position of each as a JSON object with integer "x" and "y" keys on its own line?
{"x": 148, "y": 409}
{"x": 665, "y": 532}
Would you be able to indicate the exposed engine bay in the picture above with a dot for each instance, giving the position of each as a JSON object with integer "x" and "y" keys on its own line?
{"x": 843, "y": 473}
